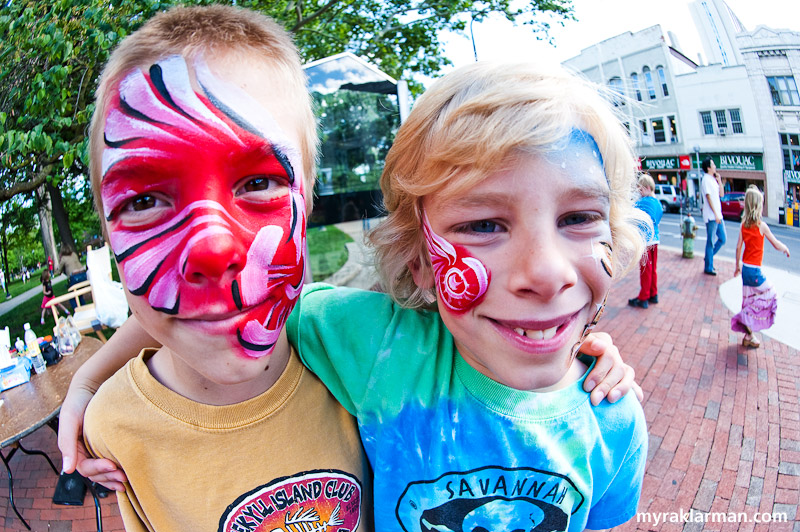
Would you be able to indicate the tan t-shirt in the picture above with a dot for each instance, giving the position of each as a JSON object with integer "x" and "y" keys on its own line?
{"x": 289, "y": 458}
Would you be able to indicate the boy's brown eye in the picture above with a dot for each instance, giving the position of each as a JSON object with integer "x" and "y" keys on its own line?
{"x": 256, "y": 184}
{"x": 143, "y": 202}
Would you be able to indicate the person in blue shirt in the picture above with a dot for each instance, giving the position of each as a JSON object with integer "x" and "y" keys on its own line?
{"x": 647, "y": 269}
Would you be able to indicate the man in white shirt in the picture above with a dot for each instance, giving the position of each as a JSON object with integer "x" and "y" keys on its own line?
{"x": 712, "y": 214}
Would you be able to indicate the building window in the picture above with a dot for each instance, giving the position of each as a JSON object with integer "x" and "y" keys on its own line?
{"x": 662, "y": 78}
{"x": 659, "y": 134}
{"x": 648, "y": 81}
{"x": 722, "y": 122}
{"x": 636, "y": 87}
{"x": 673, "y": 128}
{"x": 617, "y": 90}
{"x": 791, "y": 152}
{"x": 736, "y": 121}
{"x": 717, "y": 122}
{"x": 708, "y": 125}
{"x": 783, "y": 90}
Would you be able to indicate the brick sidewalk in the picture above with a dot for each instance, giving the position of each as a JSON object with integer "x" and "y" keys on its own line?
{"x": 724, "y": 422}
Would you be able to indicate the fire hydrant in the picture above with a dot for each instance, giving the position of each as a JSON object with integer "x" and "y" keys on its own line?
{"x": 689, "y": 232}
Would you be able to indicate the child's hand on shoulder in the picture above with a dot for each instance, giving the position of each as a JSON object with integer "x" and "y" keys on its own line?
{"x": 610, "y": 378}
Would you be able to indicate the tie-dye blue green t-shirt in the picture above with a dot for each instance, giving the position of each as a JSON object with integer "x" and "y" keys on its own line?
{"x": 453, "y": 450}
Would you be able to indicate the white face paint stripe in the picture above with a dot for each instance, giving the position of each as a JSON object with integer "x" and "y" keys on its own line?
{"x": 247, "y": 108}
{"x": 175, "y": 74}
{"x": 122, "y": 240}
{"x": 136, "y": 91}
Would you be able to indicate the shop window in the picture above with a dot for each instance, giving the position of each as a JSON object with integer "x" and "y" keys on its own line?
{"x": 648, "y": 81}
{"x": 673, "y": 128}
{"x": 659, "y": 134}
{"x": 636, "y": 87}
{"x": 783, "y": 90}
{"x": 662, "y": 78}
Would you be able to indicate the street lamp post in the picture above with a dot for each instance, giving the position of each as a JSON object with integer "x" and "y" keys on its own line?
{"x": 696, "y": 150}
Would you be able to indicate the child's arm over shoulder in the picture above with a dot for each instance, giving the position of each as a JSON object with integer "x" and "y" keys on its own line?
{"x": 125, "y": 344}
{"x": 355, "y": 340}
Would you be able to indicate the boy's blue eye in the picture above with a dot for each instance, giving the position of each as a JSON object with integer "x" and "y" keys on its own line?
{"x": 578, "y": 218}
{"x": 483, "y": 226}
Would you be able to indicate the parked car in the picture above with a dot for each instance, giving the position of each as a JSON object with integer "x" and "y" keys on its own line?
{"x": 669, "y": 197}
{"x": 733, "y": 205}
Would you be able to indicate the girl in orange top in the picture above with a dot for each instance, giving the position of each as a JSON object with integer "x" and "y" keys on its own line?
{"x": 759, "y": 301}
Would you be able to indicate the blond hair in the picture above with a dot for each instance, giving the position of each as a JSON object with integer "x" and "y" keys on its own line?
{"x": 647, "y": 182}
{"x": 465, "y": 127}
{"x": 194, "y": 31}
{"x": 753, "y": 205}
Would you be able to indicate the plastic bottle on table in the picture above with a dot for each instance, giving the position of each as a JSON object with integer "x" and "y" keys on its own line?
{"x": 20, "y": 345}
{"x": 73, "y": 330}
{"x": 33, "y": 351}
{"x": 65, "y": 345}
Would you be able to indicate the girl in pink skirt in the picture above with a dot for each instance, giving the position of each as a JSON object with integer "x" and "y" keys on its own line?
{"x": 759, "y": 301}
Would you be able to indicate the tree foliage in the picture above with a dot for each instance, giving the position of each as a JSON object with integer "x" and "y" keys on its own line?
{"x": 52, "y": 52}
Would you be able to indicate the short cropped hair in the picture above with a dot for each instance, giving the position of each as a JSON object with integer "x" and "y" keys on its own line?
{"x": 215, "y": 29}
{"x": 706, "y": 164}
{"x": 647, "y": 182}
{"x": 464, "y": 127}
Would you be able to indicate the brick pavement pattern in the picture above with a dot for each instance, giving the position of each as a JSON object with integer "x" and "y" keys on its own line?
{"x": 724, "y": 421}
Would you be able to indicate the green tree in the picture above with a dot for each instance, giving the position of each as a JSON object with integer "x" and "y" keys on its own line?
{"x": 52, "y": 51}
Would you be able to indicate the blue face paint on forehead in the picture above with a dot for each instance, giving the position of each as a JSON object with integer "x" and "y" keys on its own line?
{"x": 577, "y": 152}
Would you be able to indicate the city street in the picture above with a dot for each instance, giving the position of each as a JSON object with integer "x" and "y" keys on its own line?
{"x": 670, "y": 229}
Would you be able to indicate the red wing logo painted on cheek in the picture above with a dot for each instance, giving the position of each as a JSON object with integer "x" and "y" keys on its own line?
{"x": 316, "y": 501}
{"x": 158, "y": 125}
{"x": 461, "y": 280}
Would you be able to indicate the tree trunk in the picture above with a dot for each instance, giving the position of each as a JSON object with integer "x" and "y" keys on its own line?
{"x": 61, "y": 218}
{"x": 46, "y": 222}
{"x": 4, "y": 243}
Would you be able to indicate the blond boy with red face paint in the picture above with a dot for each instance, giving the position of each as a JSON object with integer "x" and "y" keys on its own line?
{"x": 202, "y": 157}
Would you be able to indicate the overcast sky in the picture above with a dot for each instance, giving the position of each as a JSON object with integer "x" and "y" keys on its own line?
{"x": 497, "y": 39}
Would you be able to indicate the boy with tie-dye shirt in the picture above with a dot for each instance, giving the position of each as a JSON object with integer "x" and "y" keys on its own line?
{"x": 507, "y": 189}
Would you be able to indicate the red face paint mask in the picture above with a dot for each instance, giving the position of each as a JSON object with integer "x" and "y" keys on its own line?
{"x": 204, "y": 203}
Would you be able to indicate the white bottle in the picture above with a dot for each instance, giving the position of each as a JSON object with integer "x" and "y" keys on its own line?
{"x": 73, "y": 330}
{"x": 63, "y": 337}
{"x": 20, "y": 345}
{"x": 33, "y": 351}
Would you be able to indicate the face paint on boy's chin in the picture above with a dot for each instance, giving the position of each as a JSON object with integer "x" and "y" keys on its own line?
{"x": 179, "y": 264}
{"x": 461, "y": 280}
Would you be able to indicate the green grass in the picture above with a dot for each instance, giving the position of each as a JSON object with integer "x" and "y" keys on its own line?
{"x": 17, "y": 287}
{"x": 30, "y": 312}
{"x": 326, "y": 249}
